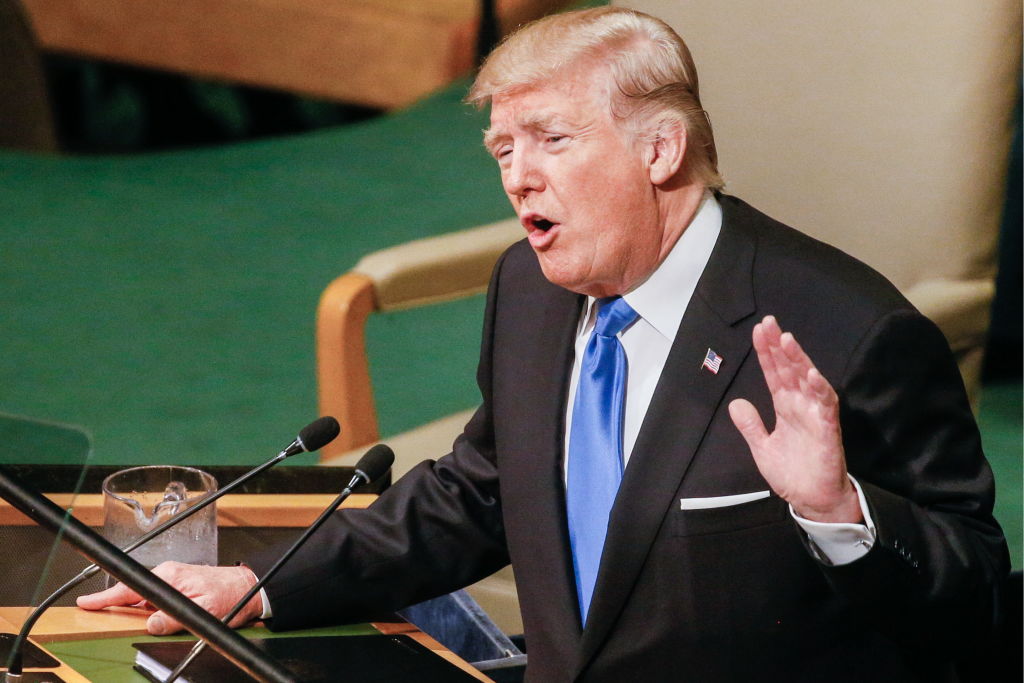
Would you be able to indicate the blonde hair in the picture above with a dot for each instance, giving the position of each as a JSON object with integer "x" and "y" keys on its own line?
{"x": 653, "y": 75}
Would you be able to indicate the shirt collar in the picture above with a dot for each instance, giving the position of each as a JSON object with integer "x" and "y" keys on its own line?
{"x": 657, "y": 300}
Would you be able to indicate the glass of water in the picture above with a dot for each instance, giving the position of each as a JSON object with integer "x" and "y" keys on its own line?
{"x": 138, "y": 499}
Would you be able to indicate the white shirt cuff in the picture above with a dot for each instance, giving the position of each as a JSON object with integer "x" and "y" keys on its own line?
{"x": 839, "y": 543}
{"x": 267, "y": 612}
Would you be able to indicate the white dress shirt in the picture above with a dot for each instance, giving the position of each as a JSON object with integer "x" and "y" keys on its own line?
{"x": 661, "y": 301}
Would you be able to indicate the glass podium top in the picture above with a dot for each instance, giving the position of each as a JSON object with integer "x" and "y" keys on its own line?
{"x": 39, "y": 442}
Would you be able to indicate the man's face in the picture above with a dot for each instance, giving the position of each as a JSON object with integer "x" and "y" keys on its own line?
{"x": 579, "y": 183}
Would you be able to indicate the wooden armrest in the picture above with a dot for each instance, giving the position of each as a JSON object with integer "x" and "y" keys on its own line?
{"x": 436, "y": 269}
{"x": 417, "y": 273}
{"x": 343, "y": 371}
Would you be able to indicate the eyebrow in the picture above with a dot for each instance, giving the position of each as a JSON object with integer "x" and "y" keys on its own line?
{"x": 492, "y": 138}
{"x": 532, "y": 121}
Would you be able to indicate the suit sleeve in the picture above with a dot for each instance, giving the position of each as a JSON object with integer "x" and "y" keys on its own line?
{"x": 437, "y": 529}
{"x": 912, "y": 442}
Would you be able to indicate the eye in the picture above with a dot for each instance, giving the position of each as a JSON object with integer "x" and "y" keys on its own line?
{"x": 554, "y": 138}
{"x": 502, "y": 152}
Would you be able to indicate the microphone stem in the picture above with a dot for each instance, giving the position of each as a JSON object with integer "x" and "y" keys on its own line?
{"x": 200, "y": 503}
{"x": 317, "y": 523}
{"x": 15, "y": 665}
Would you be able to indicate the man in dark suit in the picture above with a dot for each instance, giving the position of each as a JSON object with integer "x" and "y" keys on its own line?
{"x": 632, "y": 348}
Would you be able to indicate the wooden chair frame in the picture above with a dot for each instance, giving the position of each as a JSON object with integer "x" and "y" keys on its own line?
{"x": 422, "y": 272}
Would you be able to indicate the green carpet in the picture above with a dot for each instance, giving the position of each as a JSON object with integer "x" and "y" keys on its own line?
{"x": 166, "y": 302}
{"x": 1003, "y": 438}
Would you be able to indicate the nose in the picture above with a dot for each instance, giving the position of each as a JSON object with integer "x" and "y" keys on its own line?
{"x": 522, "y": 175}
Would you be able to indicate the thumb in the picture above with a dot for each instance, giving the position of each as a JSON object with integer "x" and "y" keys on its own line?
{"x": 747, "y": 420}
{"x": 162, "y": 624}
{"x": 116, "y": 595}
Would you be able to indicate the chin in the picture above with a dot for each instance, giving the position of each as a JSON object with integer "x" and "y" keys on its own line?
{"x": 557, "y": 274}
{"x": 574, "y": 283}
{"x": 572, "y": 276}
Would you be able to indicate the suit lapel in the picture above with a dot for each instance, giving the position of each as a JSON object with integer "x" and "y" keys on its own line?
{"x": 562, "y": 315}
{"x": 683, "y": 404}
{"x": 542, "y": 387}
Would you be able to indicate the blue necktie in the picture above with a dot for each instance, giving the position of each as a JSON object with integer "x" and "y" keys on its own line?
{"x": 595, "y": 443}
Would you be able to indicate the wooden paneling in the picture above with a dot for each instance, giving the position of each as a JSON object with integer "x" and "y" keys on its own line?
{"x": 380, "y": 53}
{"x": 244, "y": 510}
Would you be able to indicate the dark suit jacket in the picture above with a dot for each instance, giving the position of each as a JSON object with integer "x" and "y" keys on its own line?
{"x": 709, "y": 595}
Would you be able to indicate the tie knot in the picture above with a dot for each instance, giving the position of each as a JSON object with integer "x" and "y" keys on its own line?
{"x": 613, "y": 316}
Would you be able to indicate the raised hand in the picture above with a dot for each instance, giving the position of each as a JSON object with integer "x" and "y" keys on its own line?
{"x": 802, "y": 459}
{"x": 215, "y": 589}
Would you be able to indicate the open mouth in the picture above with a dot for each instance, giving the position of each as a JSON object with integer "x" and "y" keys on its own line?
{"x": 540, "y": 231}
{"x": 535, "y": 221}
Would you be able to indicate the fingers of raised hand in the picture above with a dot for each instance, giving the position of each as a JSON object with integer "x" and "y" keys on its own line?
{"x": 820, "y": 389}
{"x": 782, "y": 360}
{"x": 788, "y": 369}
{"x": 803, "y": 367}
{"x": 785, "y": 364}
{"x": 747, "y": 420}
{"x": 763, "y": 336}
{"x": 791, "y": 363}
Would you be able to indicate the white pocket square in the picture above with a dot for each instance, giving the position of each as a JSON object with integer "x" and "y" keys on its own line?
{"x": 721, "y": 501}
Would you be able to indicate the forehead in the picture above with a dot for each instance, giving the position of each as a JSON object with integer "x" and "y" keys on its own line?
{"x": 575, "y": 96}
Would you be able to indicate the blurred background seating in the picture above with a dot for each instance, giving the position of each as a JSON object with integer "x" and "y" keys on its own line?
{"x": 375, "y": 53}
{"x": 26, "y": 121}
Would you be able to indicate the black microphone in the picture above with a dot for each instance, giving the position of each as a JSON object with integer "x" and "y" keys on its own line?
{"x": 374, "y": 463}
{"x": 312, "y": 437}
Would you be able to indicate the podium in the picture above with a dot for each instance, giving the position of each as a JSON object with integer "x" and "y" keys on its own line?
{"x": 97, "y": 646}
{"x": 54, "y": 459}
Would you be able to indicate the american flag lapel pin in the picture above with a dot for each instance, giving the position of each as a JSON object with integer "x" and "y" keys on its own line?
{"x": 712, "y": 361}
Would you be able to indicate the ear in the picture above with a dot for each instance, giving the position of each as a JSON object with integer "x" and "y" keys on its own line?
{"x": 667, "y": 151}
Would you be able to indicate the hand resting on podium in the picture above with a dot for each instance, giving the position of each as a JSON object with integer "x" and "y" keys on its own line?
{"x": 215, "y": 589}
